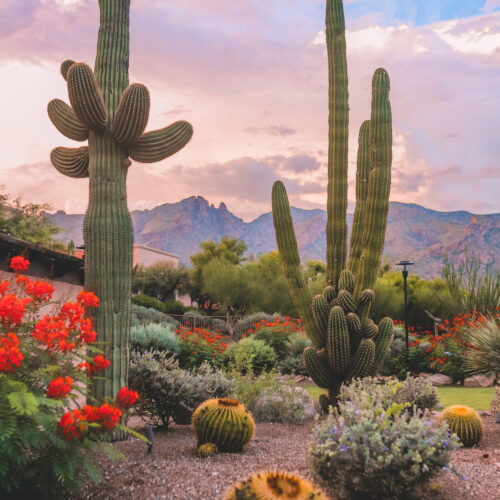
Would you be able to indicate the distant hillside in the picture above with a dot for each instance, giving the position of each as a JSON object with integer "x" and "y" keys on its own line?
{"x": 414, "y": 232}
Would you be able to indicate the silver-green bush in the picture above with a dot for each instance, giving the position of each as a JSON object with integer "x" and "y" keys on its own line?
{"x": 365, "y": 451}
{"x": 418, "y": 392}
{"x": 169, "y": 393}
{"x": 156, "y": 337}
{"x": 250, "y": 356}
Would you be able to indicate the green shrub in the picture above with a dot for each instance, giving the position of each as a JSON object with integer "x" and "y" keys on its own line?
{"x": 382, "y": 395}
{"x": 250, "y": 356}
{"x": 168, "y": 392}
{"x": 173, "y": 307}
{"x": 292, "y": 361}
{"x": 146, "y": 301}
{"x": 285, "y": 403}
{"x": 417, "y": 391}
{"x": 142, "y": 315}
{"x": 156, "y": 337}
{"x": 249, "y": 322}
{"x": 365, "y": 451}
{"x": 484, "y": 339}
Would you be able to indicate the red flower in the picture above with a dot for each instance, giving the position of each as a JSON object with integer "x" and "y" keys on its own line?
{"x": 106, "y": 415}
{"x": 39, "y": 290}
{"x": 99, "y": 363}
{"x": 87, "y": 335}
{"x": 12, "y": 309}
{"x": 53, "y": 333}
{"x": 72, "y": 424}
{"x": 126, "y": 397}
{"x": 19, "y": 264}
{"x": 88, "y": 299}
{"x": 59, "y": 387}
{"x": 10, "y": 355}
{"x": 4, "y": 288}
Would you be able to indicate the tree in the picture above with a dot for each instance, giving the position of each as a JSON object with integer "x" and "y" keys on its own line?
{"x": 160, "y": 280}
{"x": 28, "y": 221}
{"x": 229, "y": 249}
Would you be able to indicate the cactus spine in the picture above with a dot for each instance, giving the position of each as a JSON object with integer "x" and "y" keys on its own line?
{"x": 465, "y": 423}
{"x": 223, "y": 422}
{"x": 275, "y": 485}
{"x": 113, "y": 118}
{"x": 339, "y": 319}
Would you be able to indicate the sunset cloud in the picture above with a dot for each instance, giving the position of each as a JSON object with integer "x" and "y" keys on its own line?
{"x": 251, "y": 77}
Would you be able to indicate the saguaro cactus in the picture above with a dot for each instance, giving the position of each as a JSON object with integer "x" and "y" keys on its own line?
{"x": 113, "y": 117}
{"x": 346, "y": 342}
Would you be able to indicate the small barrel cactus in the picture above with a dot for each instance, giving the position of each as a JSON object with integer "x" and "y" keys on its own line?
{"x": 275, "y": 485}
{"x": 224, "y": 422}
{"x": 464, "y": 422}
{"x": 207, "y": 450}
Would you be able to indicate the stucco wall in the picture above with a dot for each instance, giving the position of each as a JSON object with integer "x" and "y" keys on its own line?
{"x": 146, "y": 256}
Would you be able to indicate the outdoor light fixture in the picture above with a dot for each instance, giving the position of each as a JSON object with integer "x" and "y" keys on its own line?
{"x": 405, "y": 263}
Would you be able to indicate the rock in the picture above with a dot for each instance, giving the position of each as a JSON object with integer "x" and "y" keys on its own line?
{"x": 440, "y": 379}
{"x": 498, "y": 380}
{"x": 480, "y": 381}
{"x": 425, "y": 375}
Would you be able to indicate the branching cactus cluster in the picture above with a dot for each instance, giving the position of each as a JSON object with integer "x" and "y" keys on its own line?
{"x": 346, "y": 342}
{"x": 112, "y": 116}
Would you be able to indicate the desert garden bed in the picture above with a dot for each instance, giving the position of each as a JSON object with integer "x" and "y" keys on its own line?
{"x": 174, "y": 472}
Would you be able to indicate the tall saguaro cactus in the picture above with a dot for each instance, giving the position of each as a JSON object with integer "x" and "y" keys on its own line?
{"x": 112, "y": 116}
{"x": 346, "y": 342}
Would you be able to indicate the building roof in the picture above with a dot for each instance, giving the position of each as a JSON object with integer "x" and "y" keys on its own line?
{"x": 49, "y": 263}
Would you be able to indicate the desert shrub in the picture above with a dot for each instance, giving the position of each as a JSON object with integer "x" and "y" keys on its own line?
{"x": 380, "y": 394}
{"x": 292, "y": 360}
{"x": 48, "y": 438}
{"x": 250, "y": 356}
{"x": 146, "y": 301}
{"x": 365, "y": 451}
{"x": 275, "y": 333}
{"x": 483, "y": 341}
{"x": 170, "y": 393}
{"x": 272, "y": 400}
{"x": 418, "y": 392}
{"x": 284, "y": 402}
{"x": 173, "y": 307}
{"x": 156, "y": 337}
{"x": 144, "y": 315}
{"x": 199, "y": 345}
{"x": 249, "y": 322}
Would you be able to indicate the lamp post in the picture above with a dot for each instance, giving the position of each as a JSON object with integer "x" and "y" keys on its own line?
{"x": 405, "y": 263}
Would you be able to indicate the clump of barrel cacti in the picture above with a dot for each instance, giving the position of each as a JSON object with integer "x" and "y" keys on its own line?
{"x": 207, "y": 450}
{"x": 464, "y": 422}
{"x": 346, "y": 342}
{"x": 275, "y": 485}
{"x": 224, "y": 422}
{"x": 112, "y": 115}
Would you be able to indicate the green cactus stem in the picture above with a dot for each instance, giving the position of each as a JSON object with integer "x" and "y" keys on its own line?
{"x": 290, "y": 261}
{"x": 379, "y": 185}
{"x": 95, "y": 98}
{"x": 362, "y": 176}
{"x": 65, "y": 120}
{"x": 338, "y": 121}
{"x": 355, "y": 346}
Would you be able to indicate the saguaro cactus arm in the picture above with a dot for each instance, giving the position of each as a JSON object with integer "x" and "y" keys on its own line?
{"x": 159, "y": 144}
{"x": 338, "y": 122}
{"x": 65, "y": 120}
{"x": 290, "y": 262}
{"x": 379, "y": 184}
{"x": 73, "y": 162}
{"x": 362, "y": 177}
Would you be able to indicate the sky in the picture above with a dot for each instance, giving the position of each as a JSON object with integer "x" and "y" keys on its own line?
{"x": 251, "y": 77}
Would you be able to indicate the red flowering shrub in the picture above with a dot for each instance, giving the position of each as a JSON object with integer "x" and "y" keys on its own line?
{"x": 198, "y": 345}
{"x": 126, "y": 397}
{"x": 59, "y": 387}
{"x": 44, "y": 444}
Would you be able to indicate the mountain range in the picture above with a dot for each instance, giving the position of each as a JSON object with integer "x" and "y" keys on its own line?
{"x": 414, "y": 233}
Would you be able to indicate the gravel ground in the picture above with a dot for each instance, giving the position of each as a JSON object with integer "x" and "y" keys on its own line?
{"x": 174, "y": 472}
